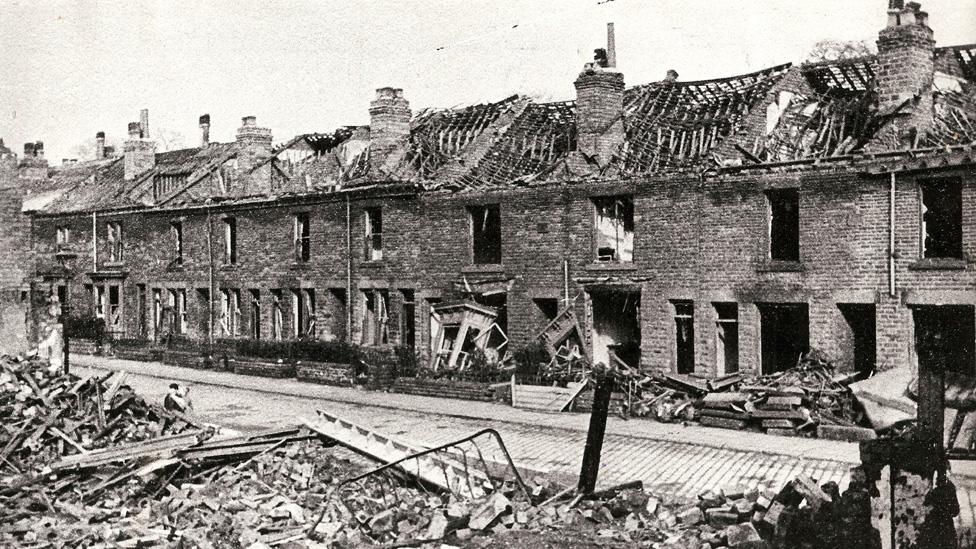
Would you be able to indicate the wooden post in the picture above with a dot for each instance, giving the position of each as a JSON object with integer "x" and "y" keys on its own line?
{"x": 594, "y": 436}
{"x": 65, "y": 346}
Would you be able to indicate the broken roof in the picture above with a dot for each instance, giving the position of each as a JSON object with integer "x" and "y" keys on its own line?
{"x": 780, "y": 114}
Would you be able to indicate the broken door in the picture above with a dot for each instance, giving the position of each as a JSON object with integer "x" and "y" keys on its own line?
{"x": 784, "y": 335}
{"x": 616, "y": 325}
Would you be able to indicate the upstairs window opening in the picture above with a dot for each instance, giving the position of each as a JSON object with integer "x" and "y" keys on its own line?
{"x": 614, "y": 228}
{"x": 230, "y": 241}
{"x": 486, "y": 234}
{"x": 784, "y": 224}
{"x": 941, "y": 219}
{"x": 115, "y": 246}
{"x": 374, "y": 234}
{"x": 303, "y": 238}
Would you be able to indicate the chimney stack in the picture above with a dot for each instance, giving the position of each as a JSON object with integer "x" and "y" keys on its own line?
{"x": 205, "y": 130}
{"x": 144, "y": 123}
{"x": 140, "y": 152}
{"x": 905, "y": 69}
{"x": 389, "y": 130}
{"x": 599, "y": 111}
{"x": 611, "y": 47}
{"x": 99, "y": 145}
{"x": 254, "y": 143}
{"x": 33, "y": 165}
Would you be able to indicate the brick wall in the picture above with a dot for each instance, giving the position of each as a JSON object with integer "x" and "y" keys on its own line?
{"x": 695, "y": 240}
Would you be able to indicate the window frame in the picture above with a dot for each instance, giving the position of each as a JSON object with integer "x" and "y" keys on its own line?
{"x": 116, "y": 242}
{"x": 302, "y": 233}
{"x": 230, "y": 241}
{"x": 372, "y": 217}
{"x": 176, "y": 228}
{"x": 958, "y": 224}
{"x": 487, "y": 256}
{"x": 619, "y": 222}
{"x": 776, "y": 250}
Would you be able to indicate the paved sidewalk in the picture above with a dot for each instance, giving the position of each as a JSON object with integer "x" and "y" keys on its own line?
{"x": 670, "y": 459}
{"x": 746, "y": 441}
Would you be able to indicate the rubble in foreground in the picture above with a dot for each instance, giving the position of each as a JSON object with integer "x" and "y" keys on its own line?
{"x": 162, "y": 481}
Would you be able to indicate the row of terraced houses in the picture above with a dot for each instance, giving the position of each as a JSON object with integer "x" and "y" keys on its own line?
{"x": 697, "y": 227}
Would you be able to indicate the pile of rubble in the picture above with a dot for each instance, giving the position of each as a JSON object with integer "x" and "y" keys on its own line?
{"x": 48, "y": 415}
{"x": 807, "y": 400}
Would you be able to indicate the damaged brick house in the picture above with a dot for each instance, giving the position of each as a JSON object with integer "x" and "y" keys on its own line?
{"x": 698, "y": 227}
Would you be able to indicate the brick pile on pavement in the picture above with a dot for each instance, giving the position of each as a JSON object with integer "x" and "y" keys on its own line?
{"x": 809, "y": 400}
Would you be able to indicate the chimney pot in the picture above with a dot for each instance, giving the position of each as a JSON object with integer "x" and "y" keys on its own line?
{"x": 205, "y": 130}
{"x": 249, "y": 121}
{"x": 135, "y": 130}
{"x": 144, "y": 122}
{"x": 99, "y": 145}
{"x": 671, "y": 76}
{"x": 28, "y": 150}
{"x": 39, "y": 149}
{"x": 611, "y": 47}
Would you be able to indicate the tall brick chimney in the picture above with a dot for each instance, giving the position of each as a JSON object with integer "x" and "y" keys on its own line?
{"x": 204, "y": 130}
{"x": 599, "y": 111}
{"x": 140, "y": 152}
{"x": 389, "y": 130}
{"x": 904, "y": 71}
{"x": 254, "y": 143}
{"x": 99, "y": 145}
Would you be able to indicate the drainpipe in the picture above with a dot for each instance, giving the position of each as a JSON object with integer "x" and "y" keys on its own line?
{"x": 210, "y": 268}
{"x": 94, "y": 242}
{"x": 349, "y": 298}
{"x": 891, "y": 236}
{"x": 565, "y": 283}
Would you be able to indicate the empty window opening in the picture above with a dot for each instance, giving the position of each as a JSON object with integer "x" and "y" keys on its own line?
{"x": 408, "y": 319}
{"x": 303, "y": 313}
{"x": 99, "y": 301}
{"x": 547, "y": 308}
{"x": 177, "y": 304}
{"x": 63, "y": 239}
{"x": 254, "y": 318}
{"x": 945, "y": 337}
{"x": 486, "y": 234}
{"x": 858, "y": 343}
{"x": 303, "y": 238}
{"x": 157, "y": 313}
{"x": 614, "y": 228}
{"x": 203, "y": 308}
{"x": 726, "y": 338}
{"x": 684, "y": 336}
{"x": 277, "y": 315}
{"x": 230, "y": 312}
{"x": 374, "y": 234}
{"x": 616, "y": 326}
{"x": 115, "y": 245}
{"x": 784, "y": 335}
{"x": 177, "y": 229}
{"x": 113, "y": 323}
{"x": 784, "y": 224}
{"x": 141, "y": 310}
{"x": 941, "y": 219}
{"x": 375, "y": 319}
{"x": 230, "y": 241}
